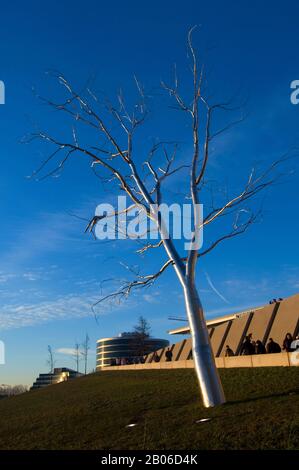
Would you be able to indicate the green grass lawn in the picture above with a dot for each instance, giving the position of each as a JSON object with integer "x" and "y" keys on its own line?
{"x": 92, "y": 412}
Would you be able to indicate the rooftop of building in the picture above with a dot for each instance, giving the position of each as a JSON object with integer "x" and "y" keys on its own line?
{"x": 184, "y": 330}
{"x": 128, "y": 335}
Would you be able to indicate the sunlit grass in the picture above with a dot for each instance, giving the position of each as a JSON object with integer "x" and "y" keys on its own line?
{"x": 95, "y": 412}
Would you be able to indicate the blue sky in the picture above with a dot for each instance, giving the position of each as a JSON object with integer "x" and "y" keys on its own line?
{"x": 50, "y": 271}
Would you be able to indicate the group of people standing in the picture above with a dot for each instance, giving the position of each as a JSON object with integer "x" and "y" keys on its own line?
{"x": 124, "y": 361}
{"x": 250, "y": 346}
{"x": 168, "y": 356}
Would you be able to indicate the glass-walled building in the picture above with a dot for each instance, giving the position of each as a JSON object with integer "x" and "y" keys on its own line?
{"x": 126, "y": 346}
{"x": 59, "y": 374}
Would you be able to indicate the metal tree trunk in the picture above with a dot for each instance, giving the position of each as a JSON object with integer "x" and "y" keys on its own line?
{"x": 203, "y": 357}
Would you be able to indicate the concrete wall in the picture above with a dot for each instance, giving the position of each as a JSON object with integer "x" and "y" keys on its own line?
{"x": 236, "y": 334}
{"x": 186, "y": 351}
{"x": 260, "y": 360}
{"x": 219, "y": 337}
{"x": 261, "y": 322}
{"x": 177, "y": 350}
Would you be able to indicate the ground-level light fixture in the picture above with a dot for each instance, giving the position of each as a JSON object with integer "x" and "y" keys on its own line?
{"x": 202, "y": 420}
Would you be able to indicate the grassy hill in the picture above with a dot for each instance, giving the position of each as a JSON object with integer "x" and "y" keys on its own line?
{"x": 92, "y": 412}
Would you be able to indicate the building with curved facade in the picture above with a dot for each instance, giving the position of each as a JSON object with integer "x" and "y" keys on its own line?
{"x": 125, "y": 346}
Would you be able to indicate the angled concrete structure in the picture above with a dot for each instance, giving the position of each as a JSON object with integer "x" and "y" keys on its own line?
{"x": 270, "y": 321}
{"x": 286, "y": 319}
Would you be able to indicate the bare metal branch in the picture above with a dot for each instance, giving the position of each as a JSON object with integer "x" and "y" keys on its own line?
{"x": 114, "y": 154}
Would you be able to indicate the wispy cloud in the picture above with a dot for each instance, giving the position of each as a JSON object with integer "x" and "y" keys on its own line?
{"x": 69, "y": 306}
{"x": 71, "y": 351}
{"x": 44, "y": 233}
{"x": 16, "y": 315}
{"x": 33, "y": 275}
{"x": 30, "y": 276}
{"x": 5, "y": 277}
{"x": 152, "y": 297}
{"x": 66, "y": 351}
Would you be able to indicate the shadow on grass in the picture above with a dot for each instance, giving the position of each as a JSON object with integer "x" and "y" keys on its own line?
{"x": 263, "y": 397}
{"x": 222, "y": 416}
